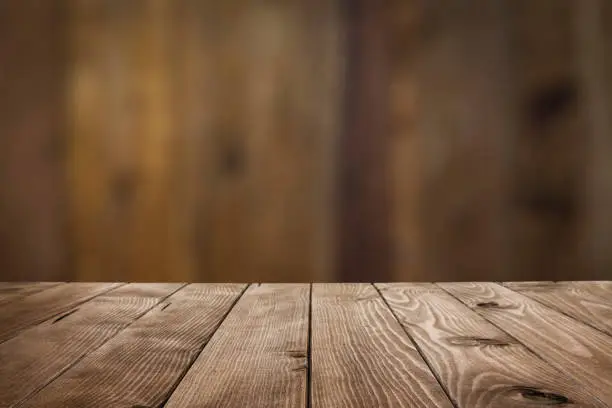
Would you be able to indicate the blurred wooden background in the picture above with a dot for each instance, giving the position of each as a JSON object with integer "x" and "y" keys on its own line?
{"x": 300, "y": 140}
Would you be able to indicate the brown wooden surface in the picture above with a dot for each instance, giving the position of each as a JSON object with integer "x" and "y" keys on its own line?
{"x": 69, "y": 337}
{"x": 142, "y": 364}
{"x": 13, "y": 291}
{"x": 478, "y": 364}
{"x": 360, "y": 355}
{"x": 450, "y": 345}
{"x": 589, "y": 302}
{"x": 565, "y": 343}
{"x": 31, "y": 310}
{"x": 266, "y": 332}
{"x": 305, "y": 140}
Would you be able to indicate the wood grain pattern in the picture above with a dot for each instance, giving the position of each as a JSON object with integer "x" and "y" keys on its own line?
{"x": 257, "y": 357}
{"x": 565, "y": 343}
{"x": 9, "y": 292}
{"x": 27, "y": 364}
{"x": 31, "y": 310}
{"x": 478, "y": 364}
{"x": 360, "y": 355}
{"x": 588, "y": 302}
{"x": 140, "y": 366}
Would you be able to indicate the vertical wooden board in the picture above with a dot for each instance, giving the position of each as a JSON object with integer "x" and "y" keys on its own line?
{"x": 478, "y": 364}
{"x": 363, "y": 159}
{"x": 144, "y": 363}
{"x": 464, "y": 123}
{"x": 584, "y": 301}
{"x": 10, "y": 292}
{"x": 550, "y": 149}
{"x": 121, "y": 156}
{"x": 405, "y": 146}
{"x": 18, "y": 316}
{"x": 27, "y": 364}
{"x": 33, "y": 190}
{"x": 563, "y": 342}
{"x": 361, "y": 357}
{"x": 270, "y": 134}
{"x": 594, "y": 43}
{"x": 258, "y": 354}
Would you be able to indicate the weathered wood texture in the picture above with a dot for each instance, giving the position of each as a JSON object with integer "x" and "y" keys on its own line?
{"x": 10, "y": 292}
{"x": 305, "y": 140}
{"x": 70, "y": 337}
{"x": 588, "y": 302}
{"x": 202, "y": 131}
{"x": 477, "y": 363}
{"x": 567, "y": 344}
{"x": 141, "y": 366}
{"x": 461, "y": 345}
{"x": 257, "y": 357}
{"x": 33, "y": 309}
{"x": 360, "y": 355}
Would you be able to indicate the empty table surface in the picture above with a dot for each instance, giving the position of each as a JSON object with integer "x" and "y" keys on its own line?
{"x": 146, "y": 345}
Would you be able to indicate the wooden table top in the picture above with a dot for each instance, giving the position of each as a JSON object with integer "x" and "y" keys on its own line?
{"x": 519, "y": 344}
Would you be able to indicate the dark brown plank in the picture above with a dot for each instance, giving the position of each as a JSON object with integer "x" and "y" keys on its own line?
{"x": 565, "y": 343}
{"x": 584, "y": 301}
{"x": 258, "y": 354}
{"x": 141, "y": 365}
{"x": 363, "y": 221}
{"x": 36, "y": 356}
{"x": 360, "y": 355}
{"x": 478, "y": 364}
{"x": 10, "y": 292}
{"x": 17, "y": 316}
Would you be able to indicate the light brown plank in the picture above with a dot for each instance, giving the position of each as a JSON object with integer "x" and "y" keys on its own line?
{"x": 36, "y": 356}
{"x": 258, "y": 354}
{"x": 360, "y": 355}
{"x": 478, "y": 364}
{"x": 584, "y": 301}
{"x": 141, "y": 365}
{"x": 10, "y": 292}
{"x": 565, "y": 343}
{"x": 31, "y": 310}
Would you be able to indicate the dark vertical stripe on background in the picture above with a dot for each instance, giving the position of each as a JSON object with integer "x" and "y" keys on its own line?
{"x": 364, "y": 245}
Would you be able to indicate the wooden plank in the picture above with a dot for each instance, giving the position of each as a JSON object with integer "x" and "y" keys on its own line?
{"x": 463, "y": 62}
{"x": 273, "y": 90}
{"x": 565, "y": 343}
{"x": 31, "y": 310}
{"x": 258, "y": 354}
{"x": 585, "y": 302}
{"x": 363, "y": 215}
{"x": 9, "y": 292}
{"x": 478, "y": 364}
{"x": 405, "y": 144}
{"x": 34, "y": 241}
{"x": 143, "y": 364}
{"x": 550, "y": 148}
{"x": 27, "y": 364}
{"x": 121, "y": 159}
{"x": 360, "y": 355}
